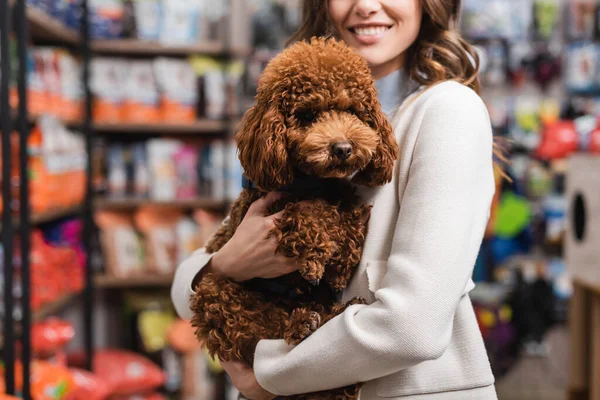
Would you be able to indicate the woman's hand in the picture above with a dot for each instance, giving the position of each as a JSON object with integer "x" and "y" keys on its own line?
{"x": 249, "y": 253}
{"x": 244, "y": 380}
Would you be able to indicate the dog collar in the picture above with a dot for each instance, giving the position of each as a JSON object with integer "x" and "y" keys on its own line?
{"x": 301, "y": 182}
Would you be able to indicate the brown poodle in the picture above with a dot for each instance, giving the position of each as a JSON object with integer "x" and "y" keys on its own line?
{"x": 316, "y": 131}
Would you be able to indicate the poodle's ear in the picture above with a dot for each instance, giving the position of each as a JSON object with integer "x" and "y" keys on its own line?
{"x": 379, "y": 171}
{"x": 262, "y": 146}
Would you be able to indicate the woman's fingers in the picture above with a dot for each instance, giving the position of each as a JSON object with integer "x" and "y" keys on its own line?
{"x": 260, "y": 206}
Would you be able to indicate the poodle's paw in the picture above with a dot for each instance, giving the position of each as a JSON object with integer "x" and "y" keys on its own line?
{"x": 301, "y": 325}
{"x": 356, "y": 300}
{"x": 312, "y": 271}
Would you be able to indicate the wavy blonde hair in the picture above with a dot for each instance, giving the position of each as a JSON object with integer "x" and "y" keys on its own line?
{"x": 438, "y": 54}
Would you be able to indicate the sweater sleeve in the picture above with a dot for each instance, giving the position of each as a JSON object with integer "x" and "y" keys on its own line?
{"x": 438, "y": 233}
{"x": 181, "y": 289}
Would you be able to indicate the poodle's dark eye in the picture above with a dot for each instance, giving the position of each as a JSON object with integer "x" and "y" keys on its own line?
{"x": 352, "y": 111}
{"x": 306, "y": 117}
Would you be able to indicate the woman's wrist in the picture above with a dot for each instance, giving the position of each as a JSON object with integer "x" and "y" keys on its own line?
{"x": 217, "y": 265}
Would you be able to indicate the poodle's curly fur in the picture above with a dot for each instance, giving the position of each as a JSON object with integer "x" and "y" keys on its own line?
{"x": 316, "y": 119}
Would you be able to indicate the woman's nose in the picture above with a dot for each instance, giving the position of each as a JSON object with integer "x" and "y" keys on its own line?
{"x": 365, "y": 8}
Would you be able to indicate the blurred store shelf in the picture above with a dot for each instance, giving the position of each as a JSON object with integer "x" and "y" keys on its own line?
{"x": 204, "y": 126}
{"x": 141, "y": 47}
{"x": 48, "y": 216}
{"x": 52, "y": 215}
{"x": 54, "y": 307}
{"x": 112, "y": 282}
{"x": 47, "y": 29}
{"x": 132, "y": 203}
{"x": 33, "y": 118}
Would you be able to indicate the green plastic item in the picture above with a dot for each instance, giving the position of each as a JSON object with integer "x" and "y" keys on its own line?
{"x": 514, "y": 214}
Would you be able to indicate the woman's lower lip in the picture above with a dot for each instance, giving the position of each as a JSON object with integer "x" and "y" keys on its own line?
{"x": 369, "y": 39}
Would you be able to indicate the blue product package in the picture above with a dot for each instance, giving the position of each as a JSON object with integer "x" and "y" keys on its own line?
{"x": 106, "y": 19}
{"x": 73, "y": 14}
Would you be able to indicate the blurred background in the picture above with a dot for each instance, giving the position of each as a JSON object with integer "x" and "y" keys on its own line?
{"x": 155, "y": 88}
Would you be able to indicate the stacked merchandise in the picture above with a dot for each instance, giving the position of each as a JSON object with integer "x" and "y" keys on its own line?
{"x": 169, "y": 170}
{"x": 164, "y": 90}
{"x": 190, "y": 373}
{"x": 171, "y": 22}
{"x": 544, "y": 105}
{"x": 57, "y": 261}
{"x": 56, "y": 156}
{"x": 53, "y": 84}
{"x": 153, "y": 240}
{"x": 57, "y": 375}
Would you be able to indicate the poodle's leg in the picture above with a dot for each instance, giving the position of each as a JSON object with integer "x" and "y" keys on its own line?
{"x": 351, "y": 234}
{"x": 305, "y": 232}
{"x": 230, "y": 320}
{"x": 305, "y": 320}
{"x": 302, "y": 323}
{"x": 337, "y": 309}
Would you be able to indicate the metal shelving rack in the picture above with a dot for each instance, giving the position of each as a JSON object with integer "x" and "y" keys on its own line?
{"x": 30, "y": 22}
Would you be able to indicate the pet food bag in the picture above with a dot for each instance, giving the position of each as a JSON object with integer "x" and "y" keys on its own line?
{"x": 148, "y": 19}
{"x": 127, "y": 373}
{"x": 180, "y": 24}
{"x": 120, "y": 243}
{"x": 178, "y": 97}
{"x": 158, "y": 227}
{"x": 87, "y": 386}
{"x": 212, "y": 87}
{"x": 141, "y": 94}
{"x": 108, "y": 87}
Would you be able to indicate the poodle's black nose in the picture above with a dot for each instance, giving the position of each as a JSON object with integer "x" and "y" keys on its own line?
{"x": 341, "y": 150}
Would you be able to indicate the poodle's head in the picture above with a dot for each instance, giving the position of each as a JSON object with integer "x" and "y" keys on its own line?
{"x": 316, "y": 113}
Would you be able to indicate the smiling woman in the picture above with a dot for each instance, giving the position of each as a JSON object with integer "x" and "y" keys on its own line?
{"x": 417, "y": 337}
{"x": 417, "y": 35}
{"x": 380, "y": 32}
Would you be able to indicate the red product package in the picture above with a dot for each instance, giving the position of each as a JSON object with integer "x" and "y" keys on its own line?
{"x": 558, "y": 141}
{"x": 150, "y": 396}
{"x": 87, "y": 386}
{"x": 126, "y": 372}
{"x": 51, "y": 335}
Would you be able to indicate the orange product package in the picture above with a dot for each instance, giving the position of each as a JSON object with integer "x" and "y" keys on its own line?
{"x": 70, "y": 99}
{"x": 182, "y": 338}
{"x": 121, "y": 245}
{"x": 176, "y": 80}
{"x": 158, "y": 227}
{"x": 107, "y": 85}
{"x": 141, "y": 94}
{"x": 48, "y": 381}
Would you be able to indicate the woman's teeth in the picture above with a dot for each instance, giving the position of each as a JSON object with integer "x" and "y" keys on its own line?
{"x": 371, "y": 31}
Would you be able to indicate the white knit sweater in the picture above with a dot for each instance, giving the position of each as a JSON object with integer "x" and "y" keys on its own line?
{"x": 418, "y": 337}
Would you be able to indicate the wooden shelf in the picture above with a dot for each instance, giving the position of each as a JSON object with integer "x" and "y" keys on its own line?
{"x": 107, "y": 282}
{"x": 132, "y": 203}
{"x": 54, "y": 307}
{"x": 204, "y": 126}
{"x": 146, "y": 48}
{"x": 47, "y": 29}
